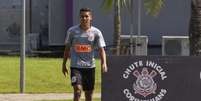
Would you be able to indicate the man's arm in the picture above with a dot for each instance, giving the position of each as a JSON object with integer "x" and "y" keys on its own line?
{"x": 65, "y": 58}
{"x": 103, "y": 60}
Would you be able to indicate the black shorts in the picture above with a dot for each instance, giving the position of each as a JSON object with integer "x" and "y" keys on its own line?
{"x": 84, "y": 77}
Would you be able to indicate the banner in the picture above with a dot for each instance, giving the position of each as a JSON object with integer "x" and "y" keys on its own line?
{"x": 154, "y": 78}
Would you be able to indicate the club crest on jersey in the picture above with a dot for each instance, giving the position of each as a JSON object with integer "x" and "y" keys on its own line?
{"x": 91, "y": 37}
{"x": 144, "y": 84}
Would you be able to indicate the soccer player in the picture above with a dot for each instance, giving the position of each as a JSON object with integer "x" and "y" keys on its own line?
{"x": 80, "y": 43}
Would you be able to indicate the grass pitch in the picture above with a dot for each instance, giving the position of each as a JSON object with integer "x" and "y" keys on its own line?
{"x": 43, "y": 75}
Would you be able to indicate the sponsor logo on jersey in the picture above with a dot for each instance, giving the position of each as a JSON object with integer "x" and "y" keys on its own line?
{"x": 82, "y": 48}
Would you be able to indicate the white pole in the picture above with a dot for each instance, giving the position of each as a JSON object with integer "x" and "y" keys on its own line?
{"x": 139, "y": 17}
{"x": 131, "y": 28}
{"x": 139, "y": 27}
{"x": 22, "y": 50}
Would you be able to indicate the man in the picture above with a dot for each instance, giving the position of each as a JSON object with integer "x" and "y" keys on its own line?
{"x": 80, "y": 43}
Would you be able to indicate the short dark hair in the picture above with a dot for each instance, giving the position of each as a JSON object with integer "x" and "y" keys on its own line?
{"x": 85, "y": 10}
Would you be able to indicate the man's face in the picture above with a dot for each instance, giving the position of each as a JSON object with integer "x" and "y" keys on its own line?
{"x": 85, "y": 18}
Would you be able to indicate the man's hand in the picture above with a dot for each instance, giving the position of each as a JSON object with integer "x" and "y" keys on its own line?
{"x": 104, "y": 68}
{"x": 64, "y": 70}
{"x": 65, "y": 58}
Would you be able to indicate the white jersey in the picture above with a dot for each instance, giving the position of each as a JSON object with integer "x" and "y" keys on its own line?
{"x": 82, "y": 46}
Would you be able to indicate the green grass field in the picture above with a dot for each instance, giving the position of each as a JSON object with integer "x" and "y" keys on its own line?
{"x": 43, "y": 75}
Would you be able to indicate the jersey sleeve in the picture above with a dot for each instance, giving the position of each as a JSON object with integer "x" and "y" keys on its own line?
{"x": 100, "y": 40}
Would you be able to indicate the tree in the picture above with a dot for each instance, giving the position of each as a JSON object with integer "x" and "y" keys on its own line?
{"x": 152, "y": 7}
{"x": 108, "y": 4}
{"x": 195, "y": 28}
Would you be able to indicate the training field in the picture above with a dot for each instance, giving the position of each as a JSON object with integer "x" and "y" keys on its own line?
{"x": 43, "y": 75}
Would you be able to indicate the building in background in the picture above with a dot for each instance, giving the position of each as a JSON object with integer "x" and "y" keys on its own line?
{"x": 48, "y": 20}
{"x": 10, "y": 24}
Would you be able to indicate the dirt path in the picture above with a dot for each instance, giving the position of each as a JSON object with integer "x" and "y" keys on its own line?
{"x": 39, "y": 97}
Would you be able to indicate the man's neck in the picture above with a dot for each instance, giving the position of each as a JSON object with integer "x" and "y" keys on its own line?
{"x": 85, "y": 28}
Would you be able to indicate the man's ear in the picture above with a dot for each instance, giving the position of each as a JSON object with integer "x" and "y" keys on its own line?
{"x": 92, "y": 17}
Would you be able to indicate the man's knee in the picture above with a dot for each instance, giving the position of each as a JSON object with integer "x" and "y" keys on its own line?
{"x": 77, "y": 94}
{"x": 88, "y": 93}
{"x": 77, "y": 91}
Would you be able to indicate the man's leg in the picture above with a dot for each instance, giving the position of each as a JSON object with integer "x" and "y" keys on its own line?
{"x": 76, "y": 83}
{"x": 88, "y": 95}
{"x": 88, "y": 83}
{"x": 77, "y": 92}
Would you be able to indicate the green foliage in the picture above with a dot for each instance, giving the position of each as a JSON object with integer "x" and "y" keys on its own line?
{"x": 153, "y": 7}
{"x": 108, "y": 4}
{"x": 43, "y": 75}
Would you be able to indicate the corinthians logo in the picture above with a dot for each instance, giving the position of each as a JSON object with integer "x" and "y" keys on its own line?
{"x": 145, "y": 84}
